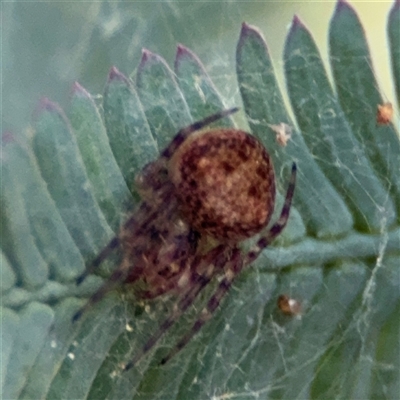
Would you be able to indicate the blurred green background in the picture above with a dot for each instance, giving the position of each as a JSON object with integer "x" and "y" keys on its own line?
{"x": 46, "y": 46}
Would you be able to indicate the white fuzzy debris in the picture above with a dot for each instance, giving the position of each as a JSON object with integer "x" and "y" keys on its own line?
{"x": 283, "y": 133}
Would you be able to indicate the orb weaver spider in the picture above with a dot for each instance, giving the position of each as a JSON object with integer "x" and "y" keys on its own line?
{"x": 210, "y": 189}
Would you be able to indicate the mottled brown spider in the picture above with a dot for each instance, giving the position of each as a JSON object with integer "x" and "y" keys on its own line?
{"x": 209, "y": 190}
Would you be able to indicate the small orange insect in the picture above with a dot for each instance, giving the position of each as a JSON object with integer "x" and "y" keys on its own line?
{"x": 384, "y": 113}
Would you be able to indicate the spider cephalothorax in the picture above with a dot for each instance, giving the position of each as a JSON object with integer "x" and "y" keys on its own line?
{"x": 208, "y": 190}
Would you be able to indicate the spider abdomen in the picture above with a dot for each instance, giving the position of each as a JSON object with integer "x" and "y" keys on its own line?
{"x": 225, "y": 183}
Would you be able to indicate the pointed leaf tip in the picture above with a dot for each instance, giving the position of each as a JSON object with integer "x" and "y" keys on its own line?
{"x": 296, "y": 22}
{"x": 248, "y": 30}
{"x": 79, "y": 90}
{"x": 182, "y": 50}
{"x": 296, "y": 26}
{"x": 183, "y": 53}
{"x": 45, "y": 104}
{"x": 343, "y": 5}
{"x": 149, "y": 57}
{"x": 250, "y": 33}
{"x": 146, "y": 56}
{"x": 7, "y": 137}
{"x": 115, "y": 74}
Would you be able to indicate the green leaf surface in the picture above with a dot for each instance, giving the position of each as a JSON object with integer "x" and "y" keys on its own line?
{"x": 7, "y": 277}
{"x": 394, "y": 41}
{"x": 127, "y": 128}
{"x": 53, "y": 353}
{"x": 17, "y": 240}
{"x": 111, "y": 193}
{"x": 200, "y": 93}
{"x": 328, "y": 134}
{"x": 67, "y": 186}
{"x": 359, "y": 96}
{"x": 264, "y": 106}
{"x": 62, "y": 168}
{"x": 161, "y": 97}
{"x": 50, "y": 237}
{"x": 29, "y": 338}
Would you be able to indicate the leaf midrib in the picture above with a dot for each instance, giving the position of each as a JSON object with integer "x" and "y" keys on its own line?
{"x": 307, "y": 251}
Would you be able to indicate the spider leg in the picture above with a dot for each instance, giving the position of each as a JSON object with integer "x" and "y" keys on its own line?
{"x": 106, "y": 251}
{"x": 113, "y": 244}
{"x": 116, "y": 277}
{"x": 182, "y": 306}
{"x": 196, "y": 126}
{"x": 234, "y": 266}
{"x": 199, "y": 282}
{"x": 277, "y": 228}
